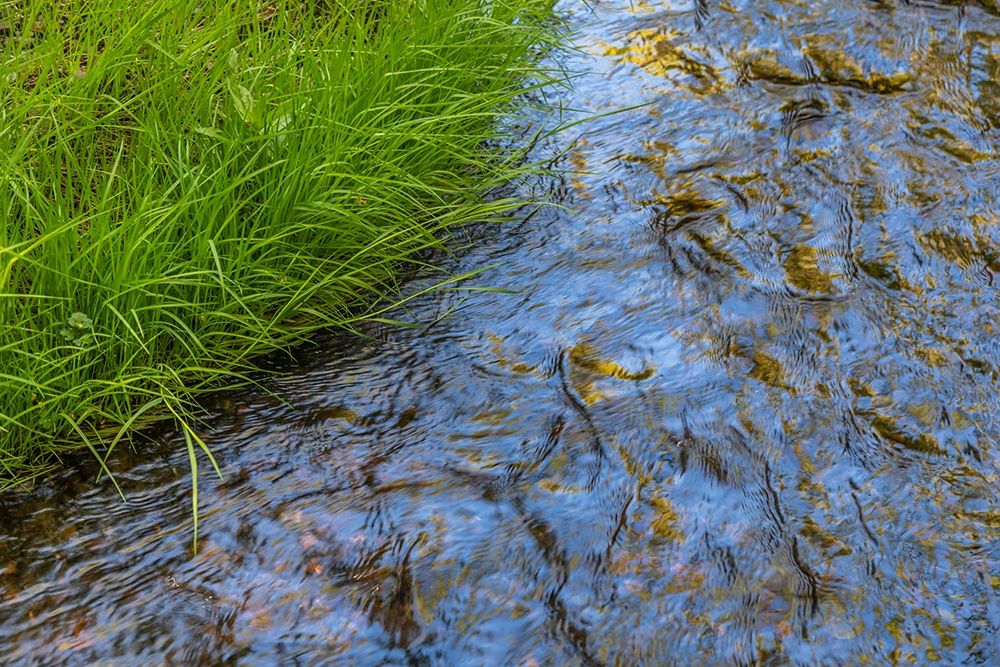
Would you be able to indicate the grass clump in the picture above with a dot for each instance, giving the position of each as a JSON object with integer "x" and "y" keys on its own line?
{"x": 186, "y": 185}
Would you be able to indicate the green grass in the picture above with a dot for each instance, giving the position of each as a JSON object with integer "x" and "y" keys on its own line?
{"x": 188, "y": 184}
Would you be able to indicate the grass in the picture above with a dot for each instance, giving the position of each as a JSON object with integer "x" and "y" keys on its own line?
{"x": 187, "y": 185}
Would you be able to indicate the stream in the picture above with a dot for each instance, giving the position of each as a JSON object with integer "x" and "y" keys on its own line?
{"x": 735, "y": 401}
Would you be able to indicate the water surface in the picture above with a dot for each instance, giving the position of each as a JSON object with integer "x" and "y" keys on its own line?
{"x": 742, "y": 409}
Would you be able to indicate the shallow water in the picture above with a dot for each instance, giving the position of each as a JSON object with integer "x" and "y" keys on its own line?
{"x": 743, "y": 410}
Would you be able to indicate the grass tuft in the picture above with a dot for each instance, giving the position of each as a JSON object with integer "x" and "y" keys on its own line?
{"x": 187, "y": 185}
